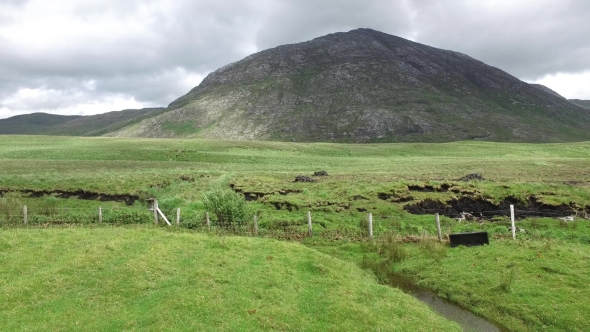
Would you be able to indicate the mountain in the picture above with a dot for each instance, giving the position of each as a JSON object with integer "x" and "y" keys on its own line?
{"x": 366, "y": 86}
{"x": 93, "y": 125}
{"x": 579, "y": 102}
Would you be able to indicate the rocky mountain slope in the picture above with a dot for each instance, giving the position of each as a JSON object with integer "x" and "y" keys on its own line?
{"x": 92, "y": 125}
{"x": 366, "y": 86}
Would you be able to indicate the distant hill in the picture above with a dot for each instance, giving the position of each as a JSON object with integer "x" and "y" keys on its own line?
{"x": 100, "y": 124}
{"x": 366, "y": 86}
{"x": 583, "y": 103}
{"x": 93, "y": 125}
{"x": 31, "y": 124}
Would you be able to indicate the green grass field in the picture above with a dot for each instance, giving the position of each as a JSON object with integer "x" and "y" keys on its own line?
{"x": 532, "y": 284}
{"x": 104, "y": 279}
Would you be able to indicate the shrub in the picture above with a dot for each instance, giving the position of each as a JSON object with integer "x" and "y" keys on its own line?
{"x": 47, "y": 206}
{"x": 228, "y": 206}
{"x": 433, "y": 249}
{"x": 11, "y": 207}
{"x": 392, "y": 250}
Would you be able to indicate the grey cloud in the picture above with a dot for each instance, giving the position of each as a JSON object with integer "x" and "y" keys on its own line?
{"x": 14, "y": 2}
{"x": 297, "y": 21}
{"x": 528, "y": 43}
{"x": 196, "y": 36}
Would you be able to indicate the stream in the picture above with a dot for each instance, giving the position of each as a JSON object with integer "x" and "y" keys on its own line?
{"x": 467, "y": 320}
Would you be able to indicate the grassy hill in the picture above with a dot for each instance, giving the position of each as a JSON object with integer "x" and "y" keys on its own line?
{"x": 148, "y": 279}
{"x": 33, "y": 124}
{"x": 100, "y": 124}
{"x": 92, "y": 125}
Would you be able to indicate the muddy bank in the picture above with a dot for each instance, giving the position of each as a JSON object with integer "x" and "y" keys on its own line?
{"x": 395, "y": 198}
{"x": 484, "y": 209}
{"x": 258, "y": 195}
{"x": 79, "y": 194}
{"x": 428, "y": 188}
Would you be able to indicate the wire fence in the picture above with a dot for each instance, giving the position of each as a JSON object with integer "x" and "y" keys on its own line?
{"x": 362, "y": 226}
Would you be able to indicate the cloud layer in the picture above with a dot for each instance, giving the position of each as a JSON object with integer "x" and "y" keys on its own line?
{"x": 87, "y": 57}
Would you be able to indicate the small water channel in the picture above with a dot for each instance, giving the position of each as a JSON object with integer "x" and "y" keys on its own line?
{"x": 467, "y": 320}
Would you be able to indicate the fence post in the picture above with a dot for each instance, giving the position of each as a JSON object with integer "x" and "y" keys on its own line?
{"x": 100, "y": 214}
{"x": 155, "y": 211}
{"x": 370, "y": 225}
{"x": 437, "y": 217}
{"x": 512, "y": 220}
{"x": 255, "y": 225}
{"x": 309, "y": 231}
{"x": 178, "y": 216}
{"x": 208, "y": 221}
{"x": 25, "y": 217}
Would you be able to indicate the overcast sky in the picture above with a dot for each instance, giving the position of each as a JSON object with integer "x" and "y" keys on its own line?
{"x": 93, "y": 56}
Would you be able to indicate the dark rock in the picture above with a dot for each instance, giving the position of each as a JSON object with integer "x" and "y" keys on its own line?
{"x": 303, "y": 178}
{"x": 187, "y": 178}
{"x": 471, "y": 177}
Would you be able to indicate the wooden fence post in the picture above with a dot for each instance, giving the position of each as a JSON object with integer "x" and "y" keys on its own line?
{"x": 100, "y": 214}
{"x": 309, "y": 231}
{"x": 370, "y": 225}
{"x": 155, "y": 211}
{"x": 255, "y": 225}
{"x": 437, "y": 218}
{"x": 513, "y": 223}
{"x": 164, "y": 217}
{"x": 25, "y": 216}
{"x": 208, "y": 221}
{"x": 178, "y": 216}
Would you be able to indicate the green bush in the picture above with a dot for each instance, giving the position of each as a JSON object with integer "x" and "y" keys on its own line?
{"x": 228, "y": 206}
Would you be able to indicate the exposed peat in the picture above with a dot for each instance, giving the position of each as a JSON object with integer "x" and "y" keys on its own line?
{"x": 79, "y": 194}
{"x": 482, "y": 208}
